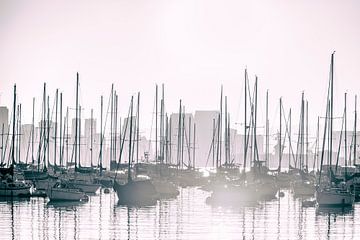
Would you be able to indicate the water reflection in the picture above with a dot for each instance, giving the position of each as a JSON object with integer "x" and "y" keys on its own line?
{"x": 187, "y": 217}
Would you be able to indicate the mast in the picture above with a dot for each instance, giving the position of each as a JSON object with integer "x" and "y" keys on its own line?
{"x": 2, "y": 144}
{"x": 91, "y": 136}
{"x": 213, "y": 143}
{"x": 289, "y": 138}
{"x": 179, "y": 138}
{"x": 137, "y": 127}
{"x": 255, "y": 122}
{"x": 267, "y": 130}
{"x": 189, "y": 143}
{"x": 32, "y": 135}
{"x": 79, "y": 136}
{"x": 43, "y": 127}
{"x": 67, "y": 135}
{"x": 220, "y": 126}
{"x": 302, "y": 131}
{"x": 167, "y": 138}
{"x": 48, "y": 131}
{"x": 170, "y": 142}
{"x": 130, "y": 139}
{"x": 182, "y": 137}
{"x": 279, "y": 169}
{"x": 345, "y": 139}
{"x": 55, "y": 123}
{"x": 162, "y": 125}
{"x": 245, "y": 116}
{"x": 13, "y": 137}
{"x": 317, "y": 145}
{"x": 61, "y": 133}
{"x": 111, "y": 121}
{"x": 156, "y": 123}
{"x": 115, "y": 126}
{"x": 355, "y": 133}
{"x": 225, "y": 133}
{"x": 76, "y": 118}
{"x": 307, "y": 135}
{"x": 101, "y": 134}
{"x": 194, "y": 139}
{"x": 19, "y": 133}
{"x": 331, "y": 106}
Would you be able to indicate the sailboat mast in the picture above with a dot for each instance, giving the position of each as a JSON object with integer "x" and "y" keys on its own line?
{"x": 130, "y": 139}
{"x": 189, "y": 144}
{"x": 91, "y": 136}
{"x": 255, "y": 122}
{"x": 2, "y": 143}
{"x": 76, "y": 119}
{"x": 279, "y": 169}
{"x": 289, "y": 138}
{"x": 179, "y": 138}
{"x": 48, "y": 131}
{"x": 331, "y": 106}
{"x": 32, "y": 135}
{"x": 55, "y": 124}
{"x": 43, "y": 127}
{"x": 345, "y": 139}
{"x": 61, "y": 133}
{"x": 194, "y": 139}
{"x": 355, "y": 133}
{"x": 115, "y": 126}
{"x": 182, "y": 137}
{"x": 156, "y": 123}
{"x": 245, "y": 119}
{"x": 225, "y": 133}
{"x": 19, "y": 133}
{"x": 307, "y": 135}
{"x": 162, "y": 110}
{"x": 137, "y": 127}
{"x": 101, "y": 134}
{"x": 220, "y": 127}
{"x": 267, "y": 130}
{"x": 13, "y": 137}
{"x": 67, "y": 135}
{"x": 213, "y": 143}
{"x": 111, "y": 121}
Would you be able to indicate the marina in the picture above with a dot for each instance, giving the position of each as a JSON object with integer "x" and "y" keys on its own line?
{"x": 179, "y": 120}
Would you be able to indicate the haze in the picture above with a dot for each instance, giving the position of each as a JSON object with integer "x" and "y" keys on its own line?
{"x": 191, "y": 46}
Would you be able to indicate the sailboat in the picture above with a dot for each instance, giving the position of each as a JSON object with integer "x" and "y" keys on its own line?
{"x": 82, "y": 183}
{"x": 135, "y": 192}
{"x": 65, "y": 191}
{"x": 9, "y": 185}
{"x": 328, "y": 192}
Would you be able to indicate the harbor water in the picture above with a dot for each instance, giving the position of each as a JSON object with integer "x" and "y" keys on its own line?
{"x": 186, "y": 217}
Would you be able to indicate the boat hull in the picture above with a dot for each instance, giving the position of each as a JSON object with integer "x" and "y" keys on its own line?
{"x": 136, "y": 193}
{"x": 14, "y": 189}
{"x": 58, "y": 194}
{"x": 333, "y": 198}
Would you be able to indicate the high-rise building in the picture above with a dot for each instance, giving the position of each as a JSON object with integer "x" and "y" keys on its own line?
{"x": 205, "y": 134}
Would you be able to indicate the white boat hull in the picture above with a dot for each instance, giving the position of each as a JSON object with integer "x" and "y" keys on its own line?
{"x": 59, "y": 194}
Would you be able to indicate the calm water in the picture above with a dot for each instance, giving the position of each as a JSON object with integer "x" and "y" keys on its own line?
{"x": 187, "y": 217}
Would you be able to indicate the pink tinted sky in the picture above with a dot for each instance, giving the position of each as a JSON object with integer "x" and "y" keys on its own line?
{"x": 191, "y": 46}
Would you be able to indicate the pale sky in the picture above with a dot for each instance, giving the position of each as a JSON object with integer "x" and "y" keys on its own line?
{"x": 193, "y": 46}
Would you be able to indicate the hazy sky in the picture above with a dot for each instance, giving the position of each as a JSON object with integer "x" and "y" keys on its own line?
{"x": 193, "y": 46}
